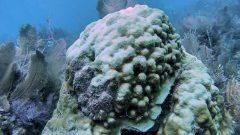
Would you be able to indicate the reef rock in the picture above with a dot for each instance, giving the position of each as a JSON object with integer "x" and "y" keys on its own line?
{"x": 129, "y": 74}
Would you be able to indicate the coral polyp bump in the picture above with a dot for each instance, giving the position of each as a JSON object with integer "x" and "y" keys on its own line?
{"x": 128, "y": 74}
{"x": 124, "y": 64}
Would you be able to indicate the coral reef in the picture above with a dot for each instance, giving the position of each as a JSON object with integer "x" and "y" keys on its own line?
{"x": 25, "y": 98}
{"x": 215, "y": 41}
{"x": 199, "y": 107}
{"x": 129, "y": 74}
{"x": 36, "y": 78}
{"x": 30, "y": 82}
{"x": 193, "y": 46}
{"x": 136, "y": 63}
{"x": 220, "y": 35}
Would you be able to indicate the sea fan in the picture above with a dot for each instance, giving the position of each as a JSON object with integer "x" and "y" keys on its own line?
{"x": 7, "y": 82}
{"x": 7, "y": 54}
{"x": 105, "y": 7}
{"x": 35, "y": 80}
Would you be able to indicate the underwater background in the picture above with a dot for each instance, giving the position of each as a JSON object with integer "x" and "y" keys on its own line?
{"x": 45, "y": 79}
{"x": 71, "y": 16}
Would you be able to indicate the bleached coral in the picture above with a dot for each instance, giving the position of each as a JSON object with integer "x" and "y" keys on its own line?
{"x": 123, "y": 60}
{"x": 199, "y": 108}
{"x": 128, "y": 74}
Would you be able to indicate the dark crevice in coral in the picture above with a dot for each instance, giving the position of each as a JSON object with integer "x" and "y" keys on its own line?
{"x": 167, "y": 108}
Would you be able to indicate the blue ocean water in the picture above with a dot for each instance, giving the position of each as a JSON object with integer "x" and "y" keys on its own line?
{"x": 71, "y": 15}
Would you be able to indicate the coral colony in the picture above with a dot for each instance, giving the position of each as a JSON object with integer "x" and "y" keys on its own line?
{"x": 134, "y": 77}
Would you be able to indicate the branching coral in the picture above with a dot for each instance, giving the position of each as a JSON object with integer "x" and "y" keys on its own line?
{"x": 129, "y": 74}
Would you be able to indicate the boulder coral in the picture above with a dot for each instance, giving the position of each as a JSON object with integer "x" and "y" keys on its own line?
{"x": 129, "y": 74}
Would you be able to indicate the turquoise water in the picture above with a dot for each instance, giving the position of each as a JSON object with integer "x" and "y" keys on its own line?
{"x": 72, "y": 15}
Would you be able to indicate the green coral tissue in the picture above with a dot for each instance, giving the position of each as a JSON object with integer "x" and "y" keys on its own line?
{"x": 129, "y": 74}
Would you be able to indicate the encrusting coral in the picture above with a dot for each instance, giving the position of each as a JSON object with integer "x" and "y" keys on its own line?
{"x": 198, "y": 107}
{"x": 129, "y": 74}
